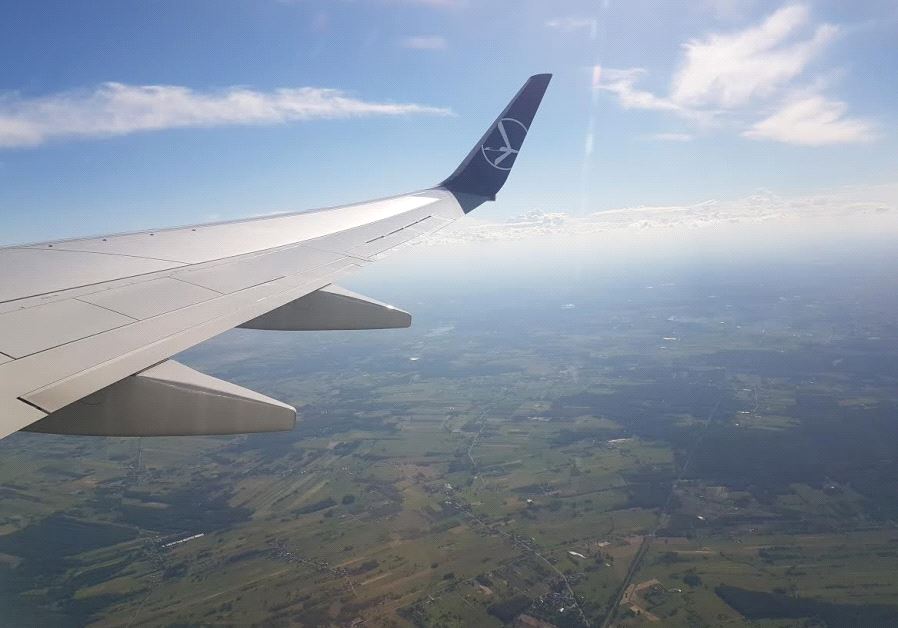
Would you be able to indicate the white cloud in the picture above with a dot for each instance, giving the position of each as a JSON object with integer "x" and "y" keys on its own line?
{"x": 622, "y": 84}
{"x": 571, "y": 24}
{"x": 731, "y": 70}
{"x": 118, "y": 109}
{"x": 812, "y": 120}
{"x": 728, "y": 79}
{"x": 425, "y": 42}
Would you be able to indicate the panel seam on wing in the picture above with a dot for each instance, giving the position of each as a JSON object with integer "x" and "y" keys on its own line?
{"x": 159, "y": 273}
{"x": 55, "y": 248}
{"x": 196, "y": 285}
{"x": 108, "y": 309}
{"x": 98, "y": 333}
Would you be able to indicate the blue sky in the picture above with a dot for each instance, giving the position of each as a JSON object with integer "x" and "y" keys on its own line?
{"x": 119, "y": 115}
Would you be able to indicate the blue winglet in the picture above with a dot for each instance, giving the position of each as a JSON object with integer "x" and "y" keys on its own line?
{"x": 484, "y": 171}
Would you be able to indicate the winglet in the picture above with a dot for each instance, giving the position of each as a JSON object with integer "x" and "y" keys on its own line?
{"x": 485, "y": 169}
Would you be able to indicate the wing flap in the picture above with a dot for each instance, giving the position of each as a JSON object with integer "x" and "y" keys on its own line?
{"x": 16, "y": 412}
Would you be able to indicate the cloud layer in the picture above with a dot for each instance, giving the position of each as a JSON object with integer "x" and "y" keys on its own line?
{"x": 724, "y": 79}
{"x": 118, "y": 109}
{"x": 763, "y": 207}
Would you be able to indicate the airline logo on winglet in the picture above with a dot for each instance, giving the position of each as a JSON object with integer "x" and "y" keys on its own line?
{"x": 502, "y": 146}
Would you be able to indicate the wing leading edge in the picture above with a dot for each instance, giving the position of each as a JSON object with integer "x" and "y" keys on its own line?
{"x": 87, "y": 326}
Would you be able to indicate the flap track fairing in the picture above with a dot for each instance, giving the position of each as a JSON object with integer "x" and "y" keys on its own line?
{"x": 331, "y": 308}
{"x": 169, "y": 399}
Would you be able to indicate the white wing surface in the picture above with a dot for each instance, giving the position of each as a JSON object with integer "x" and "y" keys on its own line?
{"x": 87, "y": 326}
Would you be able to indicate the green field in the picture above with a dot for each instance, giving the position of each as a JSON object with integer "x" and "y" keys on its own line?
{"x": 537, "y": 469}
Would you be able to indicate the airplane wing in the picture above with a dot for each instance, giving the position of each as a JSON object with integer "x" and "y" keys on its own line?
{"x": 87, "y": 326}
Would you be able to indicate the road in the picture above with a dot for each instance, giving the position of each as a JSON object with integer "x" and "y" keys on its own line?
{"x": 528, "y": 547}
{"x": 636, "y": 563}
